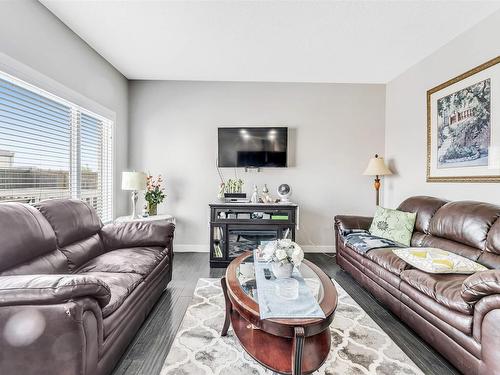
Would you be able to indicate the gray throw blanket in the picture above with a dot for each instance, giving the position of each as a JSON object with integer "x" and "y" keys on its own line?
{"x": 362, "y": 241}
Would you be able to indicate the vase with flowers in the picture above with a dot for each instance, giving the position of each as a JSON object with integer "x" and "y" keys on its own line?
{"x": 283, "y": 255}
{"x": 155, "y": 193}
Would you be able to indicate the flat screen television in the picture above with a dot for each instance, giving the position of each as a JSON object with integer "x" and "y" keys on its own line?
{"x": 253, "y": 147}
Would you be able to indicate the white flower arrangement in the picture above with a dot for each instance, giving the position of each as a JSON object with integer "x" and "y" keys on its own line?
{"x": 283, "y": 252}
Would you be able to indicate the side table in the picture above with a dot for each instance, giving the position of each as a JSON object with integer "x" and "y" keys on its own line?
{"x": 126, "y": 219}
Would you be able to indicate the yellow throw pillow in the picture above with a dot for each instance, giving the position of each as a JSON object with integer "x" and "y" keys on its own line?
{"x": 432, "y": 260}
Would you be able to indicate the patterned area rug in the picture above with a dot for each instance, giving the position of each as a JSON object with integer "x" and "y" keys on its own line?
{"x": 359, "y": 346}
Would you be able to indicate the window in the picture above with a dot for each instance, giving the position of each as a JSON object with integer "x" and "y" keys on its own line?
{"x": 51, "y": 148}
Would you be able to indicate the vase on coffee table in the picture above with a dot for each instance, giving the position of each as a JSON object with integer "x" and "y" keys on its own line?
{"x": 282, "y": 270}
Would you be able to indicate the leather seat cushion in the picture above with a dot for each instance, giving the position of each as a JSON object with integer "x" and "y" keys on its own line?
{"x": 141, "y": 260}
{"x": 385, "y": 258}
{"x": 120, "y": 285}
{"x": 445, "y": 289}
{"x": 435, "y": 312}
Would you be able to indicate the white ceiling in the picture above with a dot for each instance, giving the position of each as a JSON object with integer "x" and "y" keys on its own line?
{"x": 275, "y": 41}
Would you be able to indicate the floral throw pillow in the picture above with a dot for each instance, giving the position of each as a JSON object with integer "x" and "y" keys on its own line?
{"x": 393, "y": 224}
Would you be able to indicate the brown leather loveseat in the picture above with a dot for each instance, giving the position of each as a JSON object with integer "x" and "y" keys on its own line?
{"x": 459, "y": 315}
{"x": 73, "y": 292}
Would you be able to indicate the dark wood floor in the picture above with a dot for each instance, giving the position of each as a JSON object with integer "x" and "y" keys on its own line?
{"x": 146, "y": 354}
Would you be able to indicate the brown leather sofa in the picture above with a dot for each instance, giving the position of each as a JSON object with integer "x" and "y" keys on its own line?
{"x": 459, "y": 315}
{"x": 73, "y": 292}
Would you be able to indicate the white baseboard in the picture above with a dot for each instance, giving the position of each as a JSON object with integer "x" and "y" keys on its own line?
{"x": 191, "y": 248}
{"x": 181, "y": 248}
{"x": 330, "y": 249}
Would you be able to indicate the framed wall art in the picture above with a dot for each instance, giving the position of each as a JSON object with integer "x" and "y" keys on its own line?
{"x": 463, "y": 127}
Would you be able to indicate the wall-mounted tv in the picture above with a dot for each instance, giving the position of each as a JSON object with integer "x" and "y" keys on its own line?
{"x": 253, "y": 147}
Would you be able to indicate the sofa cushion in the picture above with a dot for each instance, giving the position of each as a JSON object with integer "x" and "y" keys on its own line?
{"x": 491, "y": 257}
{"x": 466, "y": 251}
{"x": 385, "y": 258}
{"x": 425, "y": 208}
{"x": 140, "y": 260}
{"x": 80, "y": 252}
{"x": 25, "y": 235}
{"x": 137, "y": 234}
{"x": 72, "y": 219}
{"x": 493, "y": 240}
{"x": 383, "y": 274}
{"x": 120, "y": 285}
{"x": 46, "y": 264}
{"x": 434, "y": 312}
{"x": 444, "y": 289}
{"x": 466, "y": 222}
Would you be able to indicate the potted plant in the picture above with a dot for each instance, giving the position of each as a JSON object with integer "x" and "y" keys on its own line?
{"x": 283, "y": 255}
{"x": 154, "y": 194}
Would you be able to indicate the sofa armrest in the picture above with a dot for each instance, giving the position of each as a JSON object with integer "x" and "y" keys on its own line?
{"x": 60, "y": 338}
{"x": 51, "y": 289}
{"x": 137, "y": 234}
{"x": 344, "y": 223}
{"x": 481, "y": 284}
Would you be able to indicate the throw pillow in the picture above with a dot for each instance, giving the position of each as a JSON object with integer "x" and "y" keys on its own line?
{"x": 393, "y": 224}
{"x": 432, "y": 260}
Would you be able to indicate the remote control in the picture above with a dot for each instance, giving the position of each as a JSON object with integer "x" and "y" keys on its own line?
{"x": 267, "y": 274}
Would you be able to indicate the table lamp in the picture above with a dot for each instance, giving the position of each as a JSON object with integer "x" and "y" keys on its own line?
{"x": 134, "y": 181}
{"x": 376, "y": 167}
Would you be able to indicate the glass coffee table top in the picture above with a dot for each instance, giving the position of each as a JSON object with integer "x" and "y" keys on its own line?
{"x": 245, "y": 274}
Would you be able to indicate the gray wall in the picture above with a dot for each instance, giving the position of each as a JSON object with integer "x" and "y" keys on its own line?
{"x": 35, "y": 39}
{"x": 406, "y": 115}
{"x": 334, "y": 129}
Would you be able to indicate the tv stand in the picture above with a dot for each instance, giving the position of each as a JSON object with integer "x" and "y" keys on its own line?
{"x": 239, "y": 227}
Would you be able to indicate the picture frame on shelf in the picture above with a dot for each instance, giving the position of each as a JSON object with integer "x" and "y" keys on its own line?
{"x": 463, "y": 127}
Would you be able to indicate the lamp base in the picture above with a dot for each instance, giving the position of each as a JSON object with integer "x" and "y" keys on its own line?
{"x": 376, "y": 185}
{"x": 134, "y": 197}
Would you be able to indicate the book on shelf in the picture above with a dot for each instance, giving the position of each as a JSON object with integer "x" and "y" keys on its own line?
{"x": 279, "y": 217}
{"x": 217, "y": 251}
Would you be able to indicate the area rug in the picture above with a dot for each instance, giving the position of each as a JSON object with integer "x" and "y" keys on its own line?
{"x": 359, "y": 346}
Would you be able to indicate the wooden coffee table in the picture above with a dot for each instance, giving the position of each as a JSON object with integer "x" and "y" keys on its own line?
{"x": 286, "y": 346}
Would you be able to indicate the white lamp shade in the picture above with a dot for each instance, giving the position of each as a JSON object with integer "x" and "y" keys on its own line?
{"x": 133, "y": 181}
{"x": 376, "y": 167}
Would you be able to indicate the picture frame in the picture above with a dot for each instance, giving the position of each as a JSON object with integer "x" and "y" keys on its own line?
{"x": 463, "y": 127}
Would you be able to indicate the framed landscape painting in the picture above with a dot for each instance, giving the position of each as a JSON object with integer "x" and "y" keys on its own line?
{"x": 463, "y": 127}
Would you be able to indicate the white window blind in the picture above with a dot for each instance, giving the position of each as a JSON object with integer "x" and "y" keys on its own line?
{"x": 51, "y": 148}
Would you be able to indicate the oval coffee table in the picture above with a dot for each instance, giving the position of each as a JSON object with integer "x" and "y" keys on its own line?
{"x": 286, "y": 346}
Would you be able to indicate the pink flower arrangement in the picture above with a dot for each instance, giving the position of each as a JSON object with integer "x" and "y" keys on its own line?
{"x": 154, "y": 191}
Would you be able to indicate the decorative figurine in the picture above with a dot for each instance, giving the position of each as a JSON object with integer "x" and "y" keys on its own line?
{"x": 266, "y": 198}
{"x": 222, "y": 189}
{"x": 255, "y": 195}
